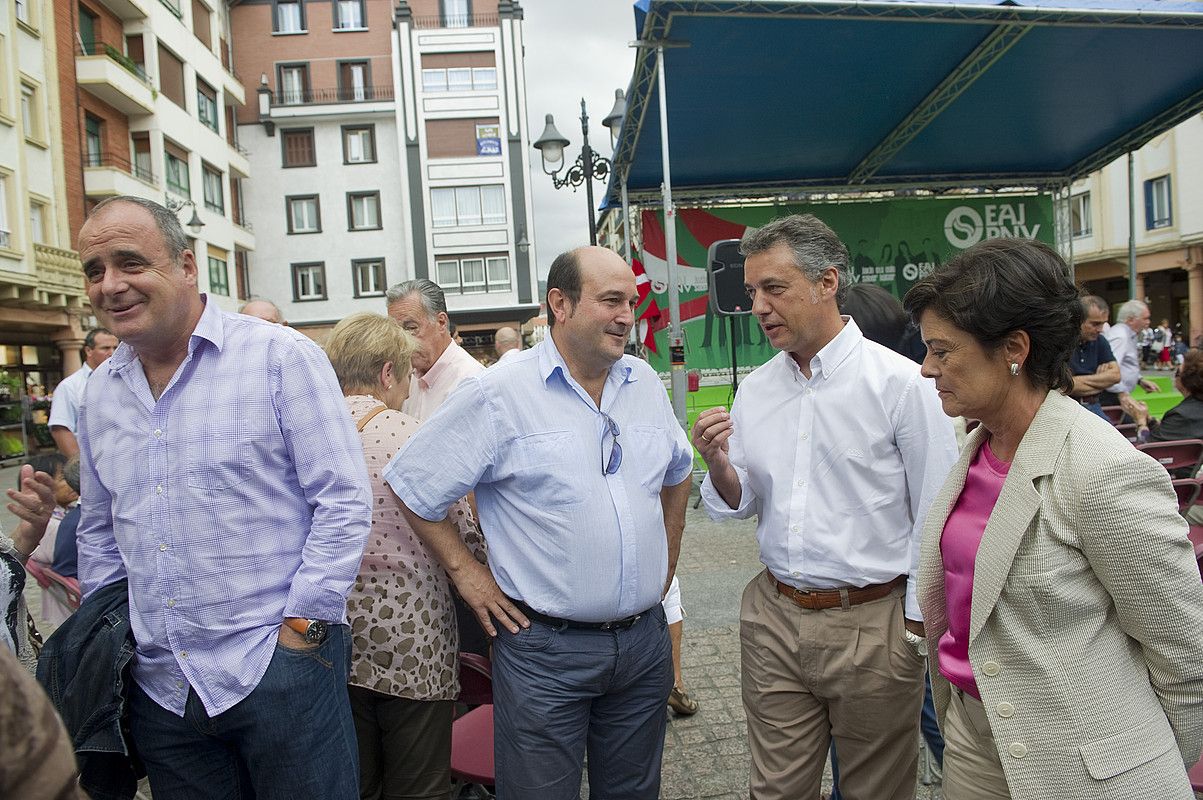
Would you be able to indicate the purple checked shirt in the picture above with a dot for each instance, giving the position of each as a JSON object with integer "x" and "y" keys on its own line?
{"x": 239, "y": 498}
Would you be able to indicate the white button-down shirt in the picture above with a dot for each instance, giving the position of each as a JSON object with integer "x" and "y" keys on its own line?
{"x": 1123, "y": 346}
{"x": 68, "y": 396}
{"x": 841, "y": 468}
{"x": 428, "y": 392}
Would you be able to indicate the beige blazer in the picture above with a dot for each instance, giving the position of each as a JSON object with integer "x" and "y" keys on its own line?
{"x": 1086, "y": 625}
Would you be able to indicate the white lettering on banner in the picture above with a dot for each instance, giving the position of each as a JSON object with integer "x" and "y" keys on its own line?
{"x": 964, "y": 226}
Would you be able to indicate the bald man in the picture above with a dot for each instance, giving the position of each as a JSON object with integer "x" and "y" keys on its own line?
{"x": 263, "y": 309}
{"x": 507, "y": 342}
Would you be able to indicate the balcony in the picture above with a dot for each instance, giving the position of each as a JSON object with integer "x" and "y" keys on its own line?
{"x": 101, "y": 69}
{"x": 296, "y": 103}
{"x": 110, "y": 174}
{"x": 429, "y": 22}
{"x": 60, "y": 276}
{"x": 128, "y": 9}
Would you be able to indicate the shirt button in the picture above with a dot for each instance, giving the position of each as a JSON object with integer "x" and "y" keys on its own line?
{"x": 1017, "y": 749}
{"x": 171, "y": 603}
{"x": 1005, "y": 710}
{"x": 804, "y": 436}
{"x": 179, "y": 684}
{"x": 801, "y": 483}
{"x": 158, "y": 432}
{"x": 162, "y": 547}
{"x": 183, "y": 654}
{"x": 990, "y": 669}
{"x": 159, "y": 489}
{"x": 793, "y": 528}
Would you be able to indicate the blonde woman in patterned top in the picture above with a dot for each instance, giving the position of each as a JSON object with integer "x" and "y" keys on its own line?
{"x": 404, "y": 672}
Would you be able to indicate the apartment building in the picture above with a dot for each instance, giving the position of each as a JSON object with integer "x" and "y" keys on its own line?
{"x": 149, "y": 103}
{"x": 41, "y": 286}
{"x": 1169, "y": 228}
{"x": 389, "y": 142}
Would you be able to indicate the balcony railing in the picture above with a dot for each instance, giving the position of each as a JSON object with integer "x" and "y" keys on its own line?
{"x": 174, "y": 7}
{"x": 456, "y": 21}
{"x": 121, "y": 162}
{"x": 305, "y": 97}
{"x": 97, "y": 48}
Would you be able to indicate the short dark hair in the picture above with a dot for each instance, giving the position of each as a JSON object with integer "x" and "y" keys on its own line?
{"x": 90, "y": 338}
{"x": 1097, "y": 303}
{"x": 877, "y": 313}
{"x": 813, "y": 244}
{"x": 1004, "y": 285}
{"x": 1191, "y": 373}
{"x": 71, "y": 473}
{"x": 50, "y": 463}
{"x": 565, "y": 275}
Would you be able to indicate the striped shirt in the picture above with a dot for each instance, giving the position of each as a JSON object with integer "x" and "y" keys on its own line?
{"x": 238, "y": 498}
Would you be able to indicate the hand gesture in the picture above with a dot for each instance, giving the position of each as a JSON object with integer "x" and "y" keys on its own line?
{"x": 480, "y": 591}
{"x": 32, "y": 504}
{"x": 711, "y": 433}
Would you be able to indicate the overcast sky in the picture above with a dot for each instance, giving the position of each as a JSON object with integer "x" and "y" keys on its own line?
{"x": 574, "y": 49}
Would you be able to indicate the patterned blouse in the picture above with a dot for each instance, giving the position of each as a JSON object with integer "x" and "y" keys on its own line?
{"x": 402, "y": 618}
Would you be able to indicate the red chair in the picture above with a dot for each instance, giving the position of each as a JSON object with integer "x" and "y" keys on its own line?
{"x": 1114, "y": 413}
{"x": 1128, "y": 430}
{"x": 1187, "y": 490}
{"x": 472, "y": 766}
{"x": 1183, "y": 454}
{"x": 1195, "y": 774}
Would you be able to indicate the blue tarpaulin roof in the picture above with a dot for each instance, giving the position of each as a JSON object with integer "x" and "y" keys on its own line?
{"x": 772, "y": 97}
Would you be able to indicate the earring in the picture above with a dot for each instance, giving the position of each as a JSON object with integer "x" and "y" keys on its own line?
{"x": 388, "y": 387}
{"x": 1014, "y": 369}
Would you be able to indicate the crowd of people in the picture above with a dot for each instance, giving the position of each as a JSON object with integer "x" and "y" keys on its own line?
{"x": 283, "y": 547}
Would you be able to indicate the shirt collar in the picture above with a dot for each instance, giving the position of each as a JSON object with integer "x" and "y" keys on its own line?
{"x": 835, "y": 352}
{"x": 209, "y": 328}
{"x": 550, "y": 362}
{"x": 441, "y": 365}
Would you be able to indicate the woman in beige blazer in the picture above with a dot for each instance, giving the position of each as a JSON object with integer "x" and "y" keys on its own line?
{"x": 1056, "y": 579}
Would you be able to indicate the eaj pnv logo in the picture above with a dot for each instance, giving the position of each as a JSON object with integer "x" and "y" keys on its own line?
{"x": 964, "y": 226}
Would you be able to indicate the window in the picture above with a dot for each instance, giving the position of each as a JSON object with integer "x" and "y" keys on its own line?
{"x": 308, "y": 282}
{"x": 484, "y": 77}
{"x": 214, "y": 192}
{"x": 353, "y": 81}
{"x": 474, "y": 274}
{"x": 22, "y": 11}
{"x": 177, "y": 170}
{"x": 434, "y": 80}
{"x": 369, "y": 277}
{"x": 304, "y": 214}
{"x": 363, "y": 211}
{"x": 1079, "y": 214}
{"x": 31, "y": 117}
{"x": 93, "y": 150}
{"x": 206, "y": 104}
{"x": 171, "y": 76}
{"x": 294, "y": 84}
{"x": 37, "y": 228}
{"x": 201, "y": 25}
{"x": 348, "y": 14}
{"x": 459, "y": 79}
{"x": 359, "y": 144}
{"x": 5, "y": 231}
{"x": 1158, "y": 210}
{"x": 462, "y": 137}
{"x": 88, "y": 22}
{"x": 290, "y": 16}
{"x": 455, "y": 13}
{"x": 219, "y": 277}
{"x": 298, "y": 148}
{"x": 467, "y": 205}
{"x": 142, "y": 162}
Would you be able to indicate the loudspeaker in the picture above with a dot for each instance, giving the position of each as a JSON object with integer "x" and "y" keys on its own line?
{"x": 726, "y": 266}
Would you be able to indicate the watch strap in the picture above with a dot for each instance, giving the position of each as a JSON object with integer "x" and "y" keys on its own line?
{"x": 298, "y": 624}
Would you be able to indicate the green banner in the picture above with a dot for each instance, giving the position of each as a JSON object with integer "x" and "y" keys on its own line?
{"x": 892, "y": 243}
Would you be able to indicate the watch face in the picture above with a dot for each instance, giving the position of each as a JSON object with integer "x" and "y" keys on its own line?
{"x": 316, "y": 632}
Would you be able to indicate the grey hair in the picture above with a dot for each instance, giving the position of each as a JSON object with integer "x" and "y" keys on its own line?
{"x": 815, "y": 247}
{"x": 71, "y": 473}
{"x": 428, "y": 292}
{"x": 166, "y": 221}
{"x": 1093, "y": 301}
{"x": 1130, "y": 309}
{"x": 90, "y": 337}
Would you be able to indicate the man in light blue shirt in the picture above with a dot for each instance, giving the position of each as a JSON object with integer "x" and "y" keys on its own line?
{"x": 581, "y": 475}
{"x": 221, "y": 473}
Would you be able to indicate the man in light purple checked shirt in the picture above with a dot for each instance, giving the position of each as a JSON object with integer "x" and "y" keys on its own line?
{"x": 221, "y": 473}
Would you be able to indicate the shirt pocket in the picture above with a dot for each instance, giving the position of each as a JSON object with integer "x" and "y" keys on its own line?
{"x": 547, "y": 469}
{"x": 216, "y": 466}
{"x": 646, "y": 455}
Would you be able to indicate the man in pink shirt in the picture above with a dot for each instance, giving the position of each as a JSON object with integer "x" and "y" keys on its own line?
{"x": 439, "y": 363}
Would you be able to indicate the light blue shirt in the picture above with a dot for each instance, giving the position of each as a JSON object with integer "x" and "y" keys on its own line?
{"x": 564, "y": 537}
{"x": 236, "y": 499}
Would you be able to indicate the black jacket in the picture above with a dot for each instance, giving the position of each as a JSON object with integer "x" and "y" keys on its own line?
{"x": 85, "y": 668}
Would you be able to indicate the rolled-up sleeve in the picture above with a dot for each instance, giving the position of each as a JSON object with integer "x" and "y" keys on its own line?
{"x": 332, "y": 473}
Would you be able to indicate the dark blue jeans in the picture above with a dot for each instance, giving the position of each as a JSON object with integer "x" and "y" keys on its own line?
{"x": 291, "y": 738}
{"x": 927, "y": 726}
{"x": 560, "y": 691}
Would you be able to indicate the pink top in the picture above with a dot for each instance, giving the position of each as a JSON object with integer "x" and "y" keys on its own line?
{"x": 958, "y": 546}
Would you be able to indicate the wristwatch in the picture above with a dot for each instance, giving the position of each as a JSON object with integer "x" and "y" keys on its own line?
{"x": 916, "y": 641}
{"x": 314, "y": 630}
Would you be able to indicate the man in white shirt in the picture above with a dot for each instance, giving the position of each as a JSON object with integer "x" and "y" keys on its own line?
{"x": 439, "y": 363}
{"x": 1131, "y": 320}
{"x": 838, "y": 446}
{"x": 99, "y": 344}
{"x": 507, "y": 343}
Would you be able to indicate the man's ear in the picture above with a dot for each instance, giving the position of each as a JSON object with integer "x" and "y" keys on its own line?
{"x": 560, "y": 305}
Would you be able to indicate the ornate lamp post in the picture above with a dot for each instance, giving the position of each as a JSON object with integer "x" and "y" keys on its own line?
{"x": 589, "y": 166}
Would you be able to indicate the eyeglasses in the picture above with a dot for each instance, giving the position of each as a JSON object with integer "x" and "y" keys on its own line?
{"x": 615, "y": 460}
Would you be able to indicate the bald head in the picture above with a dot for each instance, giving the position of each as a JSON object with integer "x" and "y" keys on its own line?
{"x": 506, "y": 339}
{"x": 263, "y": 309}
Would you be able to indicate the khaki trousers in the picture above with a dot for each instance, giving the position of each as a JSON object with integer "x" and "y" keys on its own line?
{"x": 811, "y": 676}
{"x": 972, "y": 768}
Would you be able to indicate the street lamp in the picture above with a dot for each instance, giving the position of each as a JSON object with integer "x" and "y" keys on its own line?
{"x": 589, "y": 166}
{"x": 196, "y": 223}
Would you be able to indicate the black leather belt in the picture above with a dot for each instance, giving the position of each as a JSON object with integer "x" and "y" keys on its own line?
{"x": 556, "y": 622}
